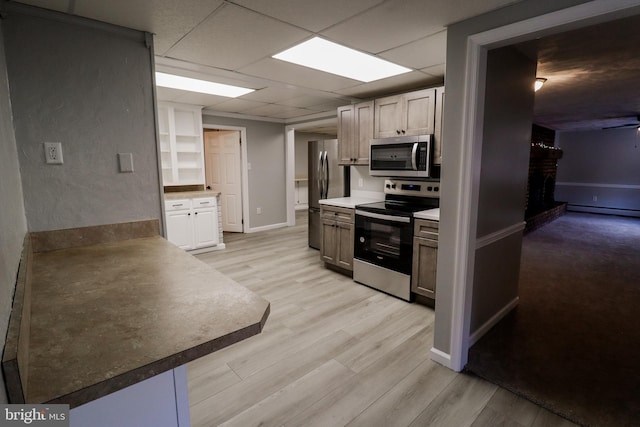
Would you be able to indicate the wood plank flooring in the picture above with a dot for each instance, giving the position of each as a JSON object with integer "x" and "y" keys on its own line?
{"x": 335, "y": 353}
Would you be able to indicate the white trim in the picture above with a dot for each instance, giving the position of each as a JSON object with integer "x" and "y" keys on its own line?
{"x": 598, "y": 185}
{"x": 290, "y": 174}
{"x": 244, "y": 172}
{"x": 604, "y": 210}
{"x": 479, "y": 333}
{"x": 440, "y": 356}
{"x": 500, "y": 234}
{"x": 472, "y": 114}
{"x": 217, "y": 247}
{"x": 267, "y": 227}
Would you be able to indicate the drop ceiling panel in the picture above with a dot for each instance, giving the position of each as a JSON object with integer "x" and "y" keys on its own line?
{"x": 426, "y": 52}
{"x": 234, "y": 37}
{"x": 279, "y": 111}
{"x": 397, "y": 22}
{"x": 200, "y": 99}
{"x": 308, "y": 101}
{"x": 272, "y": 94}
{"x": 238, "y": 105}
{"x": 403, "y": 82}
{"x": 285, "y": 72}
{"x": 312, "y": 15}
{"x": 168, "y": 94}
{"x": 169, "y": 20}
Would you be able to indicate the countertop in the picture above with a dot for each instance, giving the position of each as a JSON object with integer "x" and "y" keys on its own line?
{"x": 432, "y": 214}
{"x": 348, "y": 202}
{"x": 190, "y": 194}
{"x": 109, "y": 315}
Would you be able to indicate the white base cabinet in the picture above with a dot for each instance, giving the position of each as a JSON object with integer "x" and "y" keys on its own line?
{"x": 193, "y": 223}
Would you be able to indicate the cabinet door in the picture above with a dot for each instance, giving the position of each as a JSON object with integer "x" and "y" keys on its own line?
{"x": 329, "y": 242}
{"x": 425, "y": 257}
{"x": 437, "y": 133}
{"x": 205, "y": 224}
{"x": 344, "y": 257}
{"x": 363, "y": 131}
{"x": 180, "y": 228}
{"x": 387, "y": 116}
{"x": 346, "y": 141}
{"x": 418, "y": 116}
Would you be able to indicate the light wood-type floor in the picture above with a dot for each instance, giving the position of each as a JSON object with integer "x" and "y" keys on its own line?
{"x": 335, "y": 353}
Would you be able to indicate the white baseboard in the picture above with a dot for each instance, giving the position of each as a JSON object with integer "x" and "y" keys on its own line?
{"x": 441, "y": 357}
{"x": 266, "y": 227}
{"x": 492, "y": 321}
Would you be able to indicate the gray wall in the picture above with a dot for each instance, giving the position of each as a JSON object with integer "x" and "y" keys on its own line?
{"x": 454, "y": 146}
{"x": 603, "y": 164}
{"x": 506, "y": 142}
{"x": 13, "y": 223}
{"x": 267, "y": 176}
{"x": 89, "y": 87}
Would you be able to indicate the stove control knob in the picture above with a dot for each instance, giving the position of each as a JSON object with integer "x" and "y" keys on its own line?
{"x": 436, "y": 188}
{"x": 361, "y": 239}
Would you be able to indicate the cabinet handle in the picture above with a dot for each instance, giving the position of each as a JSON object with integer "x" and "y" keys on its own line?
{"x": 403, "y": 131}
{"x": 204, "y": 203}
{"x": 189, "y": 214}
{"x": 195, "y": 213}
{"x": 398, "y": 131}
{"x": 175, "y": 206}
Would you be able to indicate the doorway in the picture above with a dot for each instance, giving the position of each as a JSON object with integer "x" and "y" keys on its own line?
{"x": 223, "y": 171}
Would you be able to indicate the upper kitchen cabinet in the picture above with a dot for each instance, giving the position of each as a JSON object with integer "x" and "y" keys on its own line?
{"x": 410, "y": 113}
{"x": 437, "y": 133}
{"x": 181, "y": 145}
{"x": 355, "y": 130}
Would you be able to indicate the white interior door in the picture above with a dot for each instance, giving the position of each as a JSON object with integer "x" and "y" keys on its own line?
{"x": 223, "y": 172}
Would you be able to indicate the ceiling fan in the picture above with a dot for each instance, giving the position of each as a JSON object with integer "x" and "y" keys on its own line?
{"x": 636, "y": 124}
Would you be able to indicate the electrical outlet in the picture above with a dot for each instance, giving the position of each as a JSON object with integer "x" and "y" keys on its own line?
{"x": 53, "y": 153}
{"x": 259, "y": 211}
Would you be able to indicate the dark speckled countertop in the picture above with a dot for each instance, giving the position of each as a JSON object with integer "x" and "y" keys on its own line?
{"x": 109, "y": 315}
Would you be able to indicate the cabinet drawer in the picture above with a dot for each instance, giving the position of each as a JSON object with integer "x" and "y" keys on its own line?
{"x": 177, "y": 205}
{"x": 204, "y": 202}
{"x": 426, "y": 229}
{"x": 337, "y": 214}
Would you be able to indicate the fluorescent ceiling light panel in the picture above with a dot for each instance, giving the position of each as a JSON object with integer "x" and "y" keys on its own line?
{"x": 201, "y": 86}
{"x": 333, "y": 58}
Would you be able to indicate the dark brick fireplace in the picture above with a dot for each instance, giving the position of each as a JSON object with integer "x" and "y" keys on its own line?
{"x": 541, "y": 206}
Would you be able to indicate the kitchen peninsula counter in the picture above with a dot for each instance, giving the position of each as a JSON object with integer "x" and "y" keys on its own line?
{"x": 110, "y": 311}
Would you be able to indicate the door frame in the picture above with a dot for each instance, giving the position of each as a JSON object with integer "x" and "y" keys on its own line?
{"x": 470, "y": 161}
{"x": 244, "y": 171}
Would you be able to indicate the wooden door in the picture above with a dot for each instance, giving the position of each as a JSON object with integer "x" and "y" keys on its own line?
{"x": 222, "y": 166}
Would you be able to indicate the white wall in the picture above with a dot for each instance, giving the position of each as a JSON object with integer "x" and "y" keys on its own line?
{"x": 13, "y": 222}
{"x": 600, "y": 164}
{"x": 90, "y": 87}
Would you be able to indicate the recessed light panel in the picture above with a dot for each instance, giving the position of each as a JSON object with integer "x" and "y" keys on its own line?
{"x": 201, "y": 86}
{"x": 333, "y": 58}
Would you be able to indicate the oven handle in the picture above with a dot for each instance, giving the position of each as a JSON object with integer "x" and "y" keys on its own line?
{"x": 391, "y": 218}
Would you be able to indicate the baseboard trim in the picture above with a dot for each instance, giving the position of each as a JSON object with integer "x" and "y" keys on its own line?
{"x": 266, "y": 227}
{"x": 441, "y": 357}
{"x": 479, "y": 333}
{"x": 604, "y": 211}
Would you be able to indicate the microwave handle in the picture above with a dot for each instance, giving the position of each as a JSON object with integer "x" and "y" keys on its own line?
{"x": 414, "y": 156}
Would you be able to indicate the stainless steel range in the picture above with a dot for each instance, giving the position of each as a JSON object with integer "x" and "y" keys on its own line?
{"x": 383, "y": 245}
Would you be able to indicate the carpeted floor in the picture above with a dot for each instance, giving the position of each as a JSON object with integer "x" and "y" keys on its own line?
{"x": 573, "y": 343}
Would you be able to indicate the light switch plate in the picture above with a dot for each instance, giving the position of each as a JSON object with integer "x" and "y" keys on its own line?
{"x": 53, "y": 153}
{"x": 125, "y": 162}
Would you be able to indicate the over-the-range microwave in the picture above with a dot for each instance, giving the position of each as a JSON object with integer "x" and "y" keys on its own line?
{"x": 402, "y": 156}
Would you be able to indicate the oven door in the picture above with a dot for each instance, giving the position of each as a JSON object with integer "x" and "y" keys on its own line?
{"x": 384, "y": 240}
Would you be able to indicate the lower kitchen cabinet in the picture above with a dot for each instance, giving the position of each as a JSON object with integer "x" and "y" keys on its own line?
{"x": 192, "y": 223}
{"x": 425, "y": 258}
{"x": 336, "y": 247}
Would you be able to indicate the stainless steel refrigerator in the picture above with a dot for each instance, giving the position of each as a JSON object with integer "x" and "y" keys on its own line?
{"x": 326, "y": 181}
